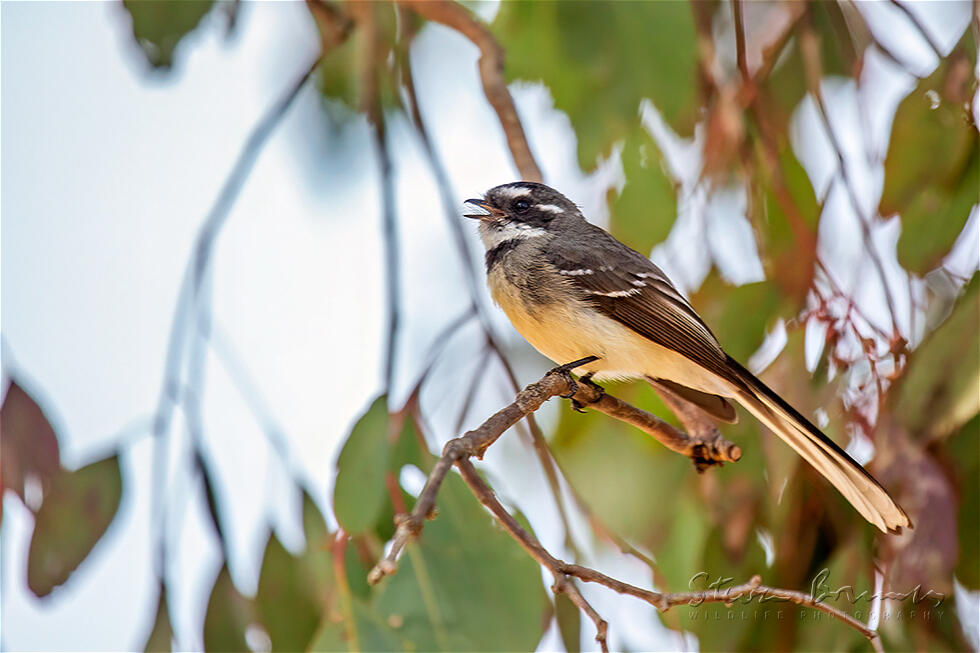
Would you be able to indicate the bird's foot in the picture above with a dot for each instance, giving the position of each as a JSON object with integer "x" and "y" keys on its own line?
{"x": 586, "y": 380}
{"x": 565, "y": 372}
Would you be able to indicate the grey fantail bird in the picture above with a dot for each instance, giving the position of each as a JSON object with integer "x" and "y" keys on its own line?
{"x": 573, "y": 291}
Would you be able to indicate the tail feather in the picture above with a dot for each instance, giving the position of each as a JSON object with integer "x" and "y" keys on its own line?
{"x": 852, "y": 480}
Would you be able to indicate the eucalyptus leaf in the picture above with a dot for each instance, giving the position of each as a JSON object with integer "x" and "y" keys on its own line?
{"x": 643, "y": 214}
{"x": 159, "y": 25}
{"x": 600, "y": 59}
{"x": 27, "y": 440}
{"x": 73, "y": 517}
{"x": 359, "y": 493}
{"x": 228, "y": 616}
{"x": 941, "y": 388}
{"x": 931, "y": 170}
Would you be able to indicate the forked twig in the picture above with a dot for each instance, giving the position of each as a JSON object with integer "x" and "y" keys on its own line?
{"x": 461, "y": 19}
{"x": 458, "y": 452}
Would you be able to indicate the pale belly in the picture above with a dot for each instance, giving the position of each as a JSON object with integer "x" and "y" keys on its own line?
{"x": 568, "y": 333}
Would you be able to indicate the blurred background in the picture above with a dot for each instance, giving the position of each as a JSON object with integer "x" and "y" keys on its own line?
{"x": 240, "y": 309}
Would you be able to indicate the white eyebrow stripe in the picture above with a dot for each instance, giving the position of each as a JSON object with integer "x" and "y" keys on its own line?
{"x": 551, "y": 208}
{"x": 616, "y": 293}
{"x": 514, "y": 191}
{"x": 575, "y": 273}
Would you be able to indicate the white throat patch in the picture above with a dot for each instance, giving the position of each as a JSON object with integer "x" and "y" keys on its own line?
{"x": 494, "y": 233}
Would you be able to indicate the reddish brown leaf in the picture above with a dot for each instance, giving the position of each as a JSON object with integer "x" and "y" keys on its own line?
{"x": 927, "y": 556}
{"x": 28, "y": 444}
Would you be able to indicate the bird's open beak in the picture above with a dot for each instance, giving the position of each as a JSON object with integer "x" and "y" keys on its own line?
{"x": 487, "y": 212}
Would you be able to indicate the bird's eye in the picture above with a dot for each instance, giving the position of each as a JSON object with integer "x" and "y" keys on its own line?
{"x": 521, "y": 206}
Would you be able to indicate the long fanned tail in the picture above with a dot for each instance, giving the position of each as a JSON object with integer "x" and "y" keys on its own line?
{"x": 856, "y": 484}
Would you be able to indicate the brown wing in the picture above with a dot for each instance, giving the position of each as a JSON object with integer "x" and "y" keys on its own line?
{"x": 625, "y": 286}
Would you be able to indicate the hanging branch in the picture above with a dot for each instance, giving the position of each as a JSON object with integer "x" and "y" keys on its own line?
{"x": 459, "y": 18}
{"x": 449, "y": 203}
{"x": 459, "y": 451}
{"x": 369, "y": 68}
{"x": 195, "y": 298}
{"x": 810, "y": 51}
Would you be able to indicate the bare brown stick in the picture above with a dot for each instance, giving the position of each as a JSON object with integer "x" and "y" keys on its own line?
{"x": 743, "y": 65}
{"x": 707, "y": 447}
{"x": 447, "y": 195}
{"x": 474, "y": 443}
{"x": 753, "y": 589}
{"x": 459, "y": 18}
{"x": 563, "y": 584}
{"x": 810, "y": 51}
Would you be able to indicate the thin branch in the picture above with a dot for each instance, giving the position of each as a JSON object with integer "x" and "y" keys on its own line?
{"x": 449, "y": 204}
{"x": 563, "y": 584}
{"x": 459, "y": 18}
{"x": 707, "y": 447}
{"x": 663, "y": 602}
{"x": 191, "y": 298}
{"x": 743, "y": 66}
{"x": 370, "y": 66}
{"x": 810, "y": 51}
{"x": 473, "y": 387}
{"x": 439, "y": 344}
{"x": 475, "y": 443}
{"x": 244, "y": 381}
{"x": 855, "y": 21}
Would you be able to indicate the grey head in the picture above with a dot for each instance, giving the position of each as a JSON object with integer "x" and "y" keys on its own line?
{"x": 523, "y": 210}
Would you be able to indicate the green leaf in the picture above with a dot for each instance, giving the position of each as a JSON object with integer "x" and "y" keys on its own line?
{"x": 288, "y": 599}
{"x": 161, "y": 636}
{"x": 740, "y": 315}
{"x": 28, "y": 442}
{"x": 679, "y": 554}
{"x": 644, "y": 212}
{"x": 786, "y": 85}
{"x": 228, "y": 615}
{"x": 964, "y": 447}
{"x": 73, "y": 517}
{"x": 460, "y": 581}
{"x": 159, "y": 25}
{"x": 785, "y": 218}
{"x": 455, "y": 588}
{"x": 569, "y": 619}
{"x": 931, "y": 170}
{"x": 941, "y": 388}
{"x": 341, "y": 75}
{"x": 601, "y": 59}
{"x": 409, "y": 449}
{"x": 294, "y": 590}
{"x": 360, "y": 492}
{"x": 933, "y": 220}
{"x": 610, "y": 464}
